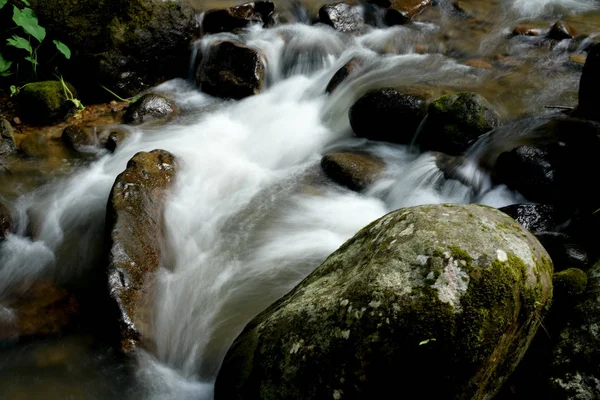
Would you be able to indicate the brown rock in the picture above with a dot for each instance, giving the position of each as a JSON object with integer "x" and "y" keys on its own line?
{"x": 401, "y": 11}
{"x": 478, "y": 63}
{"x": 525, "y": 30}
{"x": 77, "y": 137}
{"x": 561, "y": 30}
{"x": 134, "y": 222}
{"x": 351, "y": 66}
{"x": 355, "y": 171}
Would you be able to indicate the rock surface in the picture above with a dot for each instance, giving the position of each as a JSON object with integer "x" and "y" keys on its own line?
{"x": 232, "y": 70}
{"x": 536, "y": 217}
{"x": 561, "y": 30}
{"x": 237, "y": 17}
{"x": 79, "y": 138}
{"x": 6, "y": 221}
{"x": 149, "y": 107}
{"x": 342, "y": 17}
{"x": 442, "y": 300}
{"x": 134, "y": 223}
{"x": 355, "y": 171}
{"x": 351, "y": 66}
{"x": 44, "y": 103}
{"x": 589, "y": 85}
{"x": 7, "y": 141}
{"x": 401, "y": 11}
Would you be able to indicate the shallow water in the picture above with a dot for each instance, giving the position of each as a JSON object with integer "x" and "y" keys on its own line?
{"x": 252, "y": 214}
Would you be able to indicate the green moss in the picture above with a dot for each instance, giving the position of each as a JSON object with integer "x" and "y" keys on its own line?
{"x": 570, "y": 283}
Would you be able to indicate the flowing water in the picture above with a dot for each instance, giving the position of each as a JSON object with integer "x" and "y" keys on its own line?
{"x": 251, "y": 213}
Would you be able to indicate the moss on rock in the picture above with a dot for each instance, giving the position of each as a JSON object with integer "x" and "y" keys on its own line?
{"x": 44, "y": 103}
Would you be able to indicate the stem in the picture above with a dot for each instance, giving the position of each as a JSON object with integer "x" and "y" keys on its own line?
{"x": 114, "y": 94}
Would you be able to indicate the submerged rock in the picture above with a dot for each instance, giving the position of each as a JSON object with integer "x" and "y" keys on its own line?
{"x": 355, "y": 171}
{"x": 115, "y": 139}
{"x": 35, "y": 145}
{"x": 231, "y": 70}
{"x": 241, "y": 16}
{"x": 134, "y": 223}
{"x": 387, "y": 115}
{"x": 44, "y": 103}
{"x": 342, "y": 17}
{"x": 455, "y": 121}
{"x": 561, "y": 30}
{"x": 351, "y": 66}
{"x": 7, "y": 141}
{"x": 149, "y": 107}
{"x": 79, "y": 138}
{"x": 439, "y": 300}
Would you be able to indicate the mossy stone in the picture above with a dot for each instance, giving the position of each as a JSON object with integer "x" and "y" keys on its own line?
{"x": 44, "y": 103}
{"x": 444, "y": 294}
{"x": 569, "y": 283}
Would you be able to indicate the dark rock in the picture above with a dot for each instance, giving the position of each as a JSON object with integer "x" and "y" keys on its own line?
{"x": 429, "y": 294}
{"x": 44, "y": 103}
{"x": 561, "y": 30}
{"x": 401, "y": 11}
{"x": 35, "y": 145}
{"x": 115, "y": 139}
{"x": 79, "y": 138}
{"x": 455, "y": 121}
{"x": 351, "y": 66}
{"x": 231, "y": 71}
{"x": 569, "y": 284}
{"x": 355, "y": 171}
{"x": 575, "y": 364}
{"x": 149, "y": 107}
{"x": 589, "y": 85}
{"x": 565, "y": 252}
{"x": 387, "y": 115}
{"x": 135, "y": 226}
{"x": 127, "y": 46}
{"x": 525, "y": 30}
{"x": 343, "y": 17}
{"x": 7, "y": 141}
{"x": 537, "y": 217}
{"x": 242, "y": 16}
{"x": 6, "y": 221}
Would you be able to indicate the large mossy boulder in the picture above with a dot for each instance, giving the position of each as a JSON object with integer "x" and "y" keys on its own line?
{"x": 126, "y": 45}
{"x": 44, "y": 103}
{"x": 231, "y": 70}
{"x": 135, "y": 225}
{"x": 454, "y": 121}
{"x": 387, "y": 115}
{"x": 439, "y": 300}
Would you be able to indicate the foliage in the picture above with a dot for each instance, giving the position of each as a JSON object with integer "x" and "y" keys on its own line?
{"x": 69, "y": 95}
{"x": 26, "y": 19}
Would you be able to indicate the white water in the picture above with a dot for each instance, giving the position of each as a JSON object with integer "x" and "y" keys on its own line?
{"x": 251, "y": 215}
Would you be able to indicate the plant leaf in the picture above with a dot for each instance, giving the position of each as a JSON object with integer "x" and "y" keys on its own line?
{"x": 27, "y": 20}
{"x": 19, "y": 43}
{"x": 32, "y": 60}
{"x": 63, "y": 48}
{"x": 426, "y": 341}
{"x": 4, "y": 66}
{"x": 2, "y": 3}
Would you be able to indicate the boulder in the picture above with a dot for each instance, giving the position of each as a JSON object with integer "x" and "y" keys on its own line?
{"x": 7, "y": 141}
{"x": 565, "y": 252}
{"x": 387, "y": 115}
{"x": 569, "y": 284}
{"x": 79, "y": 138}
{"x": 455, "y": 121}
{"x": 342, "y": 17}
{"x": 44, "y": 103}
{"x": 127, "y": 46}
{"x": 35, "y": 145}
{"x": 135, "y": 226}
{"x": 149, "y": 107}
{"x": 237, "y": 17}
{"x": 351, "y": 66}
{"x": 231, "y": 70}
{"x": 589, "y": 85}
{"x": 561, "y": 30}
{"x": 440, "y": 300}
{"x": 6, "y": 221}
{"x": 401, "y": 11}
{"x": 575, "y": 364}
{"x": 536, "y": 217}
{"x": 355, "y": 171}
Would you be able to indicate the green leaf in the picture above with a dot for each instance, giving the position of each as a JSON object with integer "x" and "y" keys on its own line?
{"x": 19, "y": 43}
{"x": 32, "y": 60}
{"x": 2, "y": 3}
{"x": 63, "y": 48}
{"x": 27, "y": 20}
{"x": 426, "y": 341}
{"x": 4, "y": 66}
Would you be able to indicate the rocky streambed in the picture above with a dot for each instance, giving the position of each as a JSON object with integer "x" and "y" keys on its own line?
{"x": 304, "y": 200}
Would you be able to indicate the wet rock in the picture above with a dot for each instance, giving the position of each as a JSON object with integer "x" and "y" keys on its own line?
{"x": 478, "y": 63}
{"x": 589, "y": 85}
{"x": 569, "y": 284}
{"x": 135, "y": 223}
{"x": 561, "y": 30}
{"x": 231, "y": 71}
{"x": 387, "y": 115}
{"x": 149, "y": 107}
{"x": 43, "y": 309}
{"x": 127, "y": 46}
{"x": 237, "y": 17}
{"x": 565, "y": 252}
{"x": 575, "y": 364}
{"x": 7, "y": 141}
{"x": 44, "y": 103}
{"x": 455, "y": 121}
{"x": 343, "y": 17}
{"x": 351, "y": 66}
{"x": 35, "y": 145}
{"x": 6, "y": 221}
{"x": 450, "y": 294}
{"x": 525, "y": 30}
{"x": 355, "y": 171}
{"x": 401, "y": 11}
{"x": 536, "y": 217}
{"x": 115, "y": 139}
{"x": 79, "y": 138}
